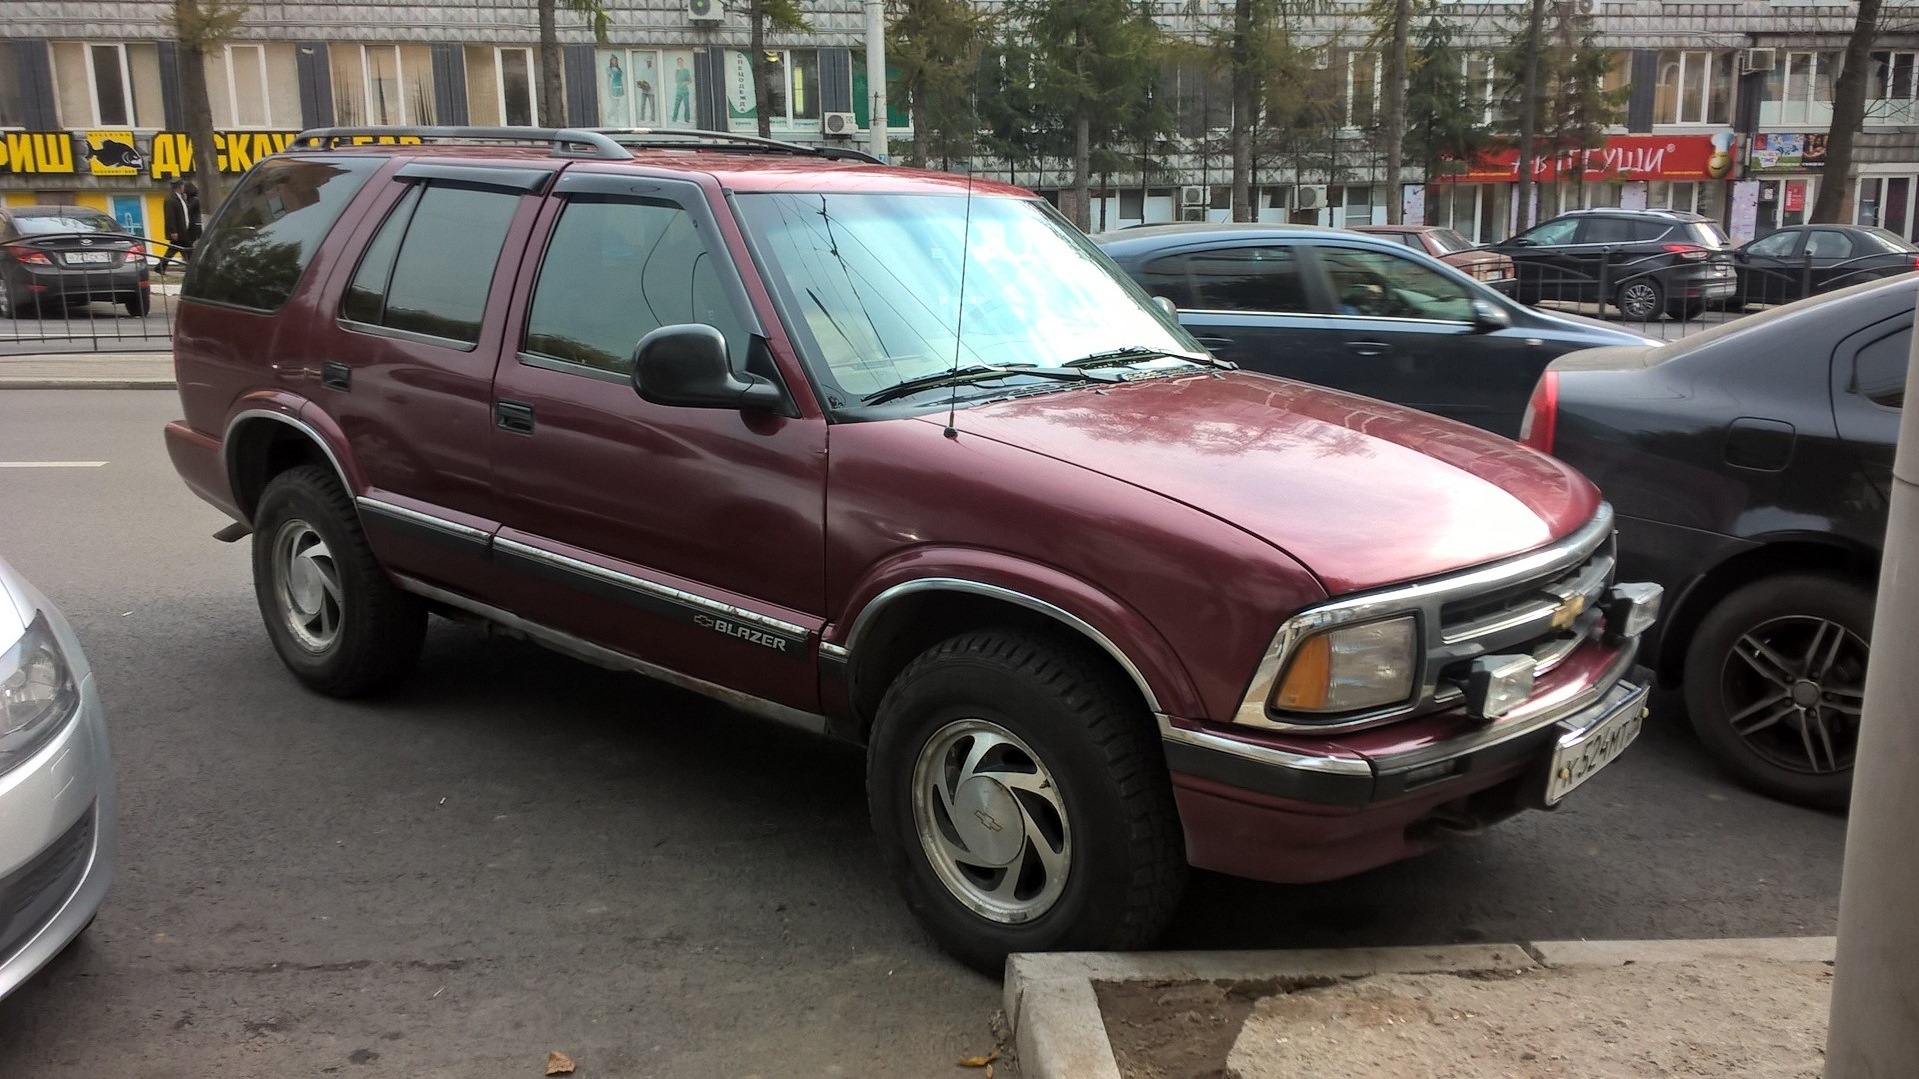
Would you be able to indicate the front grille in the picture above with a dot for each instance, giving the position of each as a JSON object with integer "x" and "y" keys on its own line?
{"x": 30, "y": 894}
{"x": 1548, "y": 618}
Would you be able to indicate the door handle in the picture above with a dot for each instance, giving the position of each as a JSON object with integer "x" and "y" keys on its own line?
{"x": 1214, "y": 343}
{"x": 515, "y": 416}
{"x": 1368, "y": 348}
{"x": 335, "y": 375}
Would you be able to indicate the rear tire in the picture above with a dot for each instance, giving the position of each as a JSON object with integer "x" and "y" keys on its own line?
{"x": 1640, "y": 301}
{"x": 1775, "y": 676}
{"x": 1021, "y": 801}
{"x": 335, "y": 619}
{"x": 139, "y": 304}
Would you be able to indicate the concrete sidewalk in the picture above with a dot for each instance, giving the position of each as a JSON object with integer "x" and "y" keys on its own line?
{"x": 88, "y": 370}
{"x": 1595, "y": 1010}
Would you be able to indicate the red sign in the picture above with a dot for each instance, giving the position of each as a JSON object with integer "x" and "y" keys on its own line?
{"x": 1623, "y": 157}
{"x": 1795, "y": 196}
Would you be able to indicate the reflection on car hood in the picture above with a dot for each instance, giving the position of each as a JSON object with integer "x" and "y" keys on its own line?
{"x": 1361, "y": 492}
{"x": 1586, "y": 326}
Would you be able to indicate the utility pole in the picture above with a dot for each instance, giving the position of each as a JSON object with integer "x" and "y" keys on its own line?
{"x": 1874, "y": 1028}
{"x": 876, "y": 78}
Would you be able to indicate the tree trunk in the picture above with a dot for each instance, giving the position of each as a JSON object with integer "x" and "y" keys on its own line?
{"x": 1848, "y": 112}
{"x": 552, "y": 90}
{"x": 1243, "y": 80}
{"x": 1529, "y": 112}
{"x": 199, "y": 118}
{"x": 762, "y": 71}
{"x": 917, "y": 105}
{"x": 1396, "y": 108}
{"x": 1082, "y": 170}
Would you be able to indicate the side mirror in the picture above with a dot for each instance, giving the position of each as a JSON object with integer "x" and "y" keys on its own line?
{"x": 1489, "y": 317}
{"x": 686, "y": 366}
{"x": 1168, "y": 306}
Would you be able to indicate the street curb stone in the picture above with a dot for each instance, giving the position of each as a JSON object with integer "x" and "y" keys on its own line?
{"x": 1059, "y": 1033}
{"x": 76, "y": 383}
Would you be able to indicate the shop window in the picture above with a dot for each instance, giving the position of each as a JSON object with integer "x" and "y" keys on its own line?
{"x": 1694, "y": 87}
{"x": 382, "y": 85}
{"x": 646, "y": 87}
{"x": 795, "y": 87}
{"x": 112, "y": 85}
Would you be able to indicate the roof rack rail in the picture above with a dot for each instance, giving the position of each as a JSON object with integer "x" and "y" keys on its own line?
{"x": 611, "y": 144}
{"x": 566, "y": 141}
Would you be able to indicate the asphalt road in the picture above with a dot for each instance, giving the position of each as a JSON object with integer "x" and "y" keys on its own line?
{"x": 519, "y": 853}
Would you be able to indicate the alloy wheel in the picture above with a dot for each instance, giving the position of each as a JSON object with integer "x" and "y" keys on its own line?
{"x": 1793, "y": 689}
{"x": 1639, "y": 301}
{"x": 991, "y": 821}
{"x": 308, "y": 588}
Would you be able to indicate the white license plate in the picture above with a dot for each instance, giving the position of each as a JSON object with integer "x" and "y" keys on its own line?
{"x": 89, "y": 258}
{"x": 1581, "y": 754}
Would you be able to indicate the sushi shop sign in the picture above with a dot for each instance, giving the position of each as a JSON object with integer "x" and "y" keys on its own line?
{"x": 161, "y": 155}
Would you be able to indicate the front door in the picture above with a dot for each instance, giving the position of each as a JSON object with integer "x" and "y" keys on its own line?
{"x": 690, "y": 538}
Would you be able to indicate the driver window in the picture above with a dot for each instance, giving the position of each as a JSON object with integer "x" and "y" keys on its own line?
{"x": 1778, "y": 245}
{"x": 1385, "y": 285}
{"x": 617, "y": 269}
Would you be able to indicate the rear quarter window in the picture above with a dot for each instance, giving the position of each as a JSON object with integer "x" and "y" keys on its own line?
{"x": 259, "y": 244}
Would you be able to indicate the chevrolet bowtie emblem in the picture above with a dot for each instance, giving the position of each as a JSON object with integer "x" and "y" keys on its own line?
{"x": 987, "y": 820}
{"x": 1569, "y": 612}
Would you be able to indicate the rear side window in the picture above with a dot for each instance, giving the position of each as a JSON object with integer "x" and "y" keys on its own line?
{"x": 1609, "y": 230}
{"x": 430, "y": 266}
{"x": 1879, "y": 370}
{"x": 260, "y": 242}
{"x": 1707, "y": 234}
{"x": 618, "y": 269}
{"x": 1248, "y": 279}
{"x": 1827, "y": 244}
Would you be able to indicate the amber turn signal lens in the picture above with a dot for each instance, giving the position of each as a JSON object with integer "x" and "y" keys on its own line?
{"x": 1308, "y": 677}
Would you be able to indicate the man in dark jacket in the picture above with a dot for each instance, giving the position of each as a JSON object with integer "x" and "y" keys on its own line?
{"x": 178, "y": 218}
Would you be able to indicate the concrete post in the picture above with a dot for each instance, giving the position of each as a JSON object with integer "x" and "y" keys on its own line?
{"x": 1874, "y": 1029}
{"x": 876, "y": 78}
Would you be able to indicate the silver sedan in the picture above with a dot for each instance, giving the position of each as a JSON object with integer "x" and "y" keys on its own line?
{"x": 57, "y": 827}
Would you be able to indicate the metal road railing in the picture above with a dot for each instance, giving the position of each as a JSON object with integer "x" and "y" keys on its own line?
{"x": 87, "y": 292}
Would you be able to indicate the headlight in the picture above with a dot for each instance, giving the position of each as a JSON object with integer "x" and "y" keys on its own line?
{"x": 37, "y": 694}
{"x": 1352, "y": 668}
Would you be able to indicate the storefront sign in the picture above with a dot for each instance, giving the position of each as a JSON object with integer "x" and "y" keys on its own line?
{"x": 237, "y": 150}
{"x": 1787, "y": 151}
{"x": 1623, "y": 157}
{"x": 1795, "y": 198}
{"x": 32, "y": 152}
{"x": 113, "y": 153}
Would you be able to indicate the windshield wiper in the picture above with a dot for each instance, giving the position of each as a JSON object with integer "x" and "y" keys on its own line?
{"x": 1118, "y": 357}
{"x": 979, "y": 372}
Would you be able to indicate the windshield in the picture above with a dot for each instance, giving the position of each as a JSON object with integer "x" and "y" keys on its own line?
{"x": 54, "y": 224}
{"x": 875, "y": 281}
{"x": 1450, "y": 242}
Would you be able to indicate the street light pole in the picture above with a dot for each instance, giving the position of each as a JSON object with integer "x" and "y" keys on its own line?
{"x": 876, "y": 78}
{"x": 1874, "y": 1028}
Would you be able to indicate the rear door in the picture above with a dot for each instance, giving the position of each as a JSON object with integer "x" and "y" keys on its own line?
{"x": 1868, "y": 394}
{"x": 1835, "y": 259}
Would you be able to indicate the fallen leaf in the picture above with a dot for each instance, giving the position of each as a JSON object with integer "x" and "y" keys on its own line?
{"x": 989, "y": 1071}
{"x": 985, "y": 1061}
{"x": 558, "y": 1063}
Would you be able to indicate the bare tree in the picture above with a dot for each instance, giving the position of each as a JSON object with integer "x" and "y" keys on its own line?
{"x": 1848, "y": 112}
{"x": 199, "y": 28}
{"x": 552, "y": 87}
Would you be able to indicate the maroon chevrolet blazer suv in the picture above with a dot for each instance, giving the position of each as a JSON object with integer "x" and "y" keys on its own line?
{"x": 901, "y": 458}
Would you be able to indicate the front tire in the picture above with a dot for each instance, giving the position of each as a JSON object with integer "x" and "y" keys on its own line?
{"x": 1775, "y": 678}
{"x": 338, "y": 624}
{"x": 1021, "y": 801}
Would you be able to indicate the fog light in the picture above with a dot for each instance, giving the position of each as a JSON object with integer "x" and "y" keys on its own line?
{"x": 1631, "y": 609}
{"x": 1498, "y": 684}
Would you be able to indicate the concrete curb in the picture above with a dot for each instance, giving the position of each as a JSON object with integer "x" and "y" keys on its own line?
{"x": 86, "y": 384}
{"x": 1059, "y": 1033}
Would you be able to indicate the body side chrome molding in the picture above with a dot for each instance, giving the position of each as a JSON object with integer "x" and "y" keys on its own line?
{"x": 425, "y": 520}
{"x": 639, "y": 584}
{"x": 606, "y": 657}
{"x": 1019, "y": 599}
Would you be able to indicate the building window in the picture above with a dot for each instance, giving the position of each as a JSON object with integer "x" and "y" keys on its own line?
{"x": 1482, "y": 83}
{"x": 382, "y": 85}
{"x": 237, "y": 87}
{"x": 1892, "y": 96}
{"x": 108, "y": 85}
{"x": 1361, "y": 89}
{"x": 794, "y": 82}
{"x": 1202, "y": 99}
{"x": 1800, "y": 90}
{"x": 1693, "y": 88}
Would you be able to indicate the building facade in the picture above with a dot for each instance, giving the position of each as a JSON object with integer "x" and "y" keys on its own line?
{"x": 1728, "y": 104}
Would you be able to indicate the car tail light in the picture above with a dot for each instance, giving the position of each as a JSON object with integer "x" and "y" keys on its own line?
{"x": 1688, "y": 251}
{"x": 1542, "y": 414}
{"x": 1915, "y": 262}
{"x": 28, "y": 254}
{"x": 137, "y": 251}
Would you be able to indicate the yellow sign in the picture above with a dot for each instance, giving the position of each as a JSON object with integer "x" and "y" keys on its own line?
{"x": 237, "y": 150}
{"x": 113, "y": 153}
{"x": 36, "y": 152}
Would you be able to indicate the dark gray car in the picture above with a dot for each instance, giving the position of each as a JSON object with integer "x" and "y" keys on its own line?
{"x": 64, "y": 256}
{"x": 1355, "y": 312}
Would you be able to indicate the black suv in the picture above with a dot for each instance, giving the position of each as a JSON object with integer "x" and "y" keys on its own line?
{"x": 1640, "y": 261}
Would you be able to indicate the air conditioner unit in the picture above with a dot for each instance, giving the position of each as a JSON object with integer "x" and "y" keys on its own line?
{"x": 1311, "y": 196}
{"x": 704, "y": 11}
{"x": 1194, "y": 196}
{"x": 1192, "y": 213}
{"x": 839, "y": 124}
{"x": 1751, "y": 60}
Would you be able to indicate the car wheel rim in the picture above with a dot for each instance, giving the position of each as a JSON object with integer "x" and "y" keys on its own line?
{"x": 991, "y": 821}
{"x": 308, "y": 586}
{"x": 1638, "y": 301}
{"x": 1793, "y": 689}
